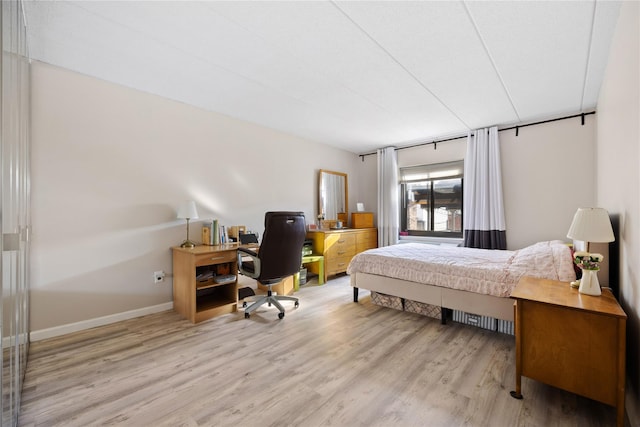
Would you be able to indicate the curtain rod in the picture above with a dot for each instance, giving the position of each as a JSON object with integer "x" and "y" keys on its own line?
{"x": 517, "y": 128}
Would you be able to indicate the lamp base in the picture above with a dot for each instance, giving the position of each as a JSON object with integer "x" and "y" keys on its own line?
{"x": 188, "y": 244}
{"x": 589, "y": 284}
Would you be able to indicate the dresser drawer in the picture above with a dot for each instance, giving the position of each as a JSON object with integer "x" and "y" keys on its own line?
{"x": 215, "y": 258}
{"x": 337, "y": 265}
{"x": 338, "y": 239}
{"x": 337, "y": 251}
{"x": 338, "y": 245}
{"x": 366, "y": 240}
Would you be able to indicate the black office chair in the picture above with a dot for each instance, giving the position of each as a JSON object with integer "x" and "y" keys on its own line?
{"x": 279, "y": 256}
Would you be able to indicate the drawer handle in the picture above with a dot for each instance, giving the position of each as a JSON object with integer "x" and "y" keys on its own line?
{"x": 213, "y": 258}
{"x": 341, "y": 253}
{"x": 341, "y": 264}
{"x": 341, "y": 241}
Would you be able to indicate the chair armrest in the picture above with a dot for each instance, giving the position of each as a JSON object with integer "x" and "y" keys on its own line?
{"x": 248, "y": 252}
{"x": 250, "y": 270}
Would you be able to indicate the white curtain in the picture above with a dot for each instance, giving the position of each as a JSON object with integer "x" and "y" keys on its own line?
{"x": 484, "y": 225}
{"x": 388, "y": 205}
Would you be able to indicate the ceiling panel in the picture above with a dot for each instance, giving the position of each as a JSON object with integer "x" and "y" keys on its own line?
{"x": 542, "y": 64}
{"x": 357, "y": 75}
{"x": 605, "y": 18}
{"x": 320, "y": 36}
{"x": 437, "y": 43}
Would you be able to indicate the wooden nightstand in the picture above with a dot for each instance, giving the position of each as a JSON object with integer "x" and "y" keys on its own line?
{"x": 571, "y": 341}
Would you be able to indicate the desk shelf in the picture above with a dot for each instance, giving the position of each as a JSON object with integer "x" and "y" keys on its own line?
{"x": 210, "y": 284}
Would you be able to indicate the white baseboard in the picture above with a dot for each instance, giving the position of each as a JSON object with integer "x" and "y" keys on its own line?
{"x": 56, "y": 331}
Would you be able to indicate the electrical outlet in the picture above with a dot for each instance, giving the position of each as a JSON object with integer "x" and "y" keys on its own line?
{"x": 158, "y": 276}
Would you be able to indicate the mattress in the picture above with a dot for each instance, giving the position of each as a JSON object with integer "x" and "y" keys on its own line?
{"x": 490, "y": 272}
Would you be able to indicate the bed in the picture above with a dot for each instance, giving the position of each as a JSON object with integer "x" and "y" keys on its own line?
{"x": 477, "y": 281}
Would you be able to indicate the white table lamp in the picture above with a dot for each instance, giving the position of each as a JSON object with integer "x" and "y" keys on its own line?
{"x": 591, "y": 225}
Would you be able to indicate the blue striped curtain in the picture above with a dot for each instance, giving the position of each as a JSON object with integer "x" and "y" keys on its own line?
{"x": 484, "y": 225}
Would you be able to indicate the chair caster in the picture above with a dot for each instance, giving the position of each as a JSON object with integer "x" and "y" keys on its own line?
{"x": 247, "y": 315}
{"x": 280, "y": 315}
{"x": 244, "y": 304}
{"x": 296, "y": 304}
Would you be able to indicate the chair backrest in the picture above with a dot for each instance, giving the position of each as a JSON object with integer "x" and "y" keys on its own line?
{"x": 281, "y": 247}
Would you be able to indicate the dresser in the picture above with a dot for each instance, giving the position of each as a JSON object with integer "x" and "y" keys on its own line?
{"x": 339, "y": 246}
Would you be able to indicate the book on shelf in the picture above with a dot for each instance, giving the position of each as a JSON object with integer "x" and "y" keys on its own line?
{"x": 224, "y": 234}
{"x": 207, "y": 233}
{"x": 216, "y": 233}
{"x": 213, "y": 233}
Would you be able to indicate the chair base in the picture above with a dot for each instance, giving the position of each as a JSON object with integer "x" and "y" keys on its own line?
{"x": 270, "y": 299}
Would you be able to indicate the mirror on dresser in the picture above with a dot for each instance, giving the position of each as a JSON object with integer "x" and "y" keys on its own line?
{"x": 333, "y": 196}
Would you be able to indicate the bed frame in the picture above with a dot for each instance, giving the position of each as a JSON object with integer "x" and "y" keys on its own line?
{"x": 446, "y": 298}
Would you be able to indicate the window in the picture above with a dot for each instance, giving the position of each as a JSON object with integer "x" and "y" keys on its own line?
{"x": 432, "y": 199}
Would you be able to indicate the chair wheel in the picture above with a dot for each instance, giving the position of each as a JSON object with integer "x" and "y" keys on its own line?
{"x": 281, "y": 315}
{"x": 297, "y": 304}
{"x": 247, "y": 315}
{"x": 244, "y": 304}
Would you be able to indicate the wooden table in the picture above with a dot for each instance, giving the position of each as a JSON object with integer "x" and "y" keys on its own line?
{"x": 571, "y": 341}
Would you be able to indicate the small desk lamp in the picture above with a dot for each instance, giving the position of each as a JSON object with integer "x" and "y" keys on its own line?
{"x": 188, "y": 211}
{"x": 591, "y": 225}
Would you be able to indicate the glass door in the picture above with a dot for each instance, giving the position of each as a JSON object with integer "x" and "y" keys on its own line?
{"x": 14, "y": 208}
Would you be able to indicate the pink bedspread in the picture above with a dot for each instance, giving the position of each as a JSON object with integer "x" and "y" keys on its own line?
{"x": 491, "y": 272}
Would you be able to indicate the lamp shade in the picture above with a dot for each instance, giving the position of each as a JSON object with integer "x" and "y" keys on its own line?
{"x": 188, "y": 210}
{"x": 591, "y": 225}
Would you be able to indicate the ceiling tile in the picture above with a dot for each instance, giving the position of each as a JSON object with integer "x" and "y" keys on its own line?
{"x": 357, "y": 75}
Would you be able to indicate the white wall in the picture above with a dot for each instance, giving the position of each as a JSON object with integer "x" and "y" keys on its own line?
{"x": 618, "y": 177}
{"x": 110, "y": 166}
{"x": 548, "y": 171}
{"x": 547, "y": 174}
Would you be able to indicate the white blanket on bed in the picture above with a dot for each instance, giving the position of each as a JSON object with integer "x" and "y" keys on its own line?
{"x": 491, "y": 272}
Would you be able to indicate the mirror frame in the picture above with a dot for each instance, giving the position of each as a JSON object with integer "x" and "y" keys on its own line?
{"x": 346, "y": 195}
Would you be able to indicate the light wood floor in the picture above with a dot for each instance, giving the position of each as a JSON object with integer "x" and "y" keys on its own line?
{"x": 328, "y": 363}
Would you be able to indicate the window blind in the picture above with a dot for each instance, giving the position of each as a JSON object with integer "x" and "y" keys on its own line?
{"x": 439, "y": 170}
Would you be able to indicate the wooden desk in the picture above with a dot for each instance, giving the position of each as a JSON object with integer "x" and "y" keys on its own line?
{"x": 196, "y": 294}
{"x": 571, "y": 341}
